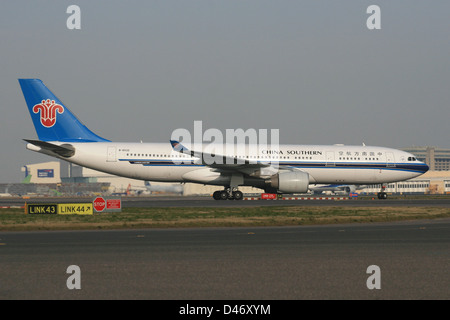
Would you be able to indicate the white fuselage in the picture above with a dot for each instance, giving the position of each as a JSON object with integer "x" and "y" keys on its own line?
{"x": 324, "y": 163}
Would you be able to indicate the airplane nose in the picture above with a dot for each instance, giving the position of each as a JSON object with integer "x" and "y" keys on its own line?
{"x": 425, "y": 167}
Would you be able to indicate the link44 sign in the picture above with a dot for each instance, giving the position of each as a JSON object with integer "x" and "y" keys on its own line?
{"x": 75, "y": 208}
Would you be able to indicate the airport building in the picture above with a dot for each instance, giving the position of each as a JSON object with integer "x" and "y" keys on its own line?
{"x": 431, "y": 182}
{"x": 56, "y": 177}
{"x": 46, "y": 172}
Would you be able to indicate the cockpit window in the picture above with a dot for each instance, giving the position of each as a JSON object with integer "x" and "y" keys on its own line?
{"x": 412, "y": 159}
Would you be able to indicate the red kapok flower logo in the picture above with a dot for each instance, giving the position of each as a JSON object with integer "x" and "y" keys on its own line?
{"x": 48, "y": 110}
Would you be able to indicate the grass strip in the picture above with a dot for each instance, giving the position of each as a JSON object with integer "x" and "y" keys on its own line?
{"x": 17, "y": 220}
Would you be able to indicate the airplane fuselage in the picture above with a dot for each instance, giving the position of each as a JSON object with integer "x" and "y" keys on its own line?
{"x": 324, "y": 163}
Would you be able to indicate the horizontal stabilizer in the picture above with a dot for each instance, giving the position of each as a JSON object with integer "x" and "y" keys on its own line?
{"x": 64, "y": 150}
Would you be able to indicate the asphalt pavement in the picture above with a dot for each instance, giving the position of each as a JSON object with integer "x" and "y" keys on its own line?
{"x": 277, "y": 263}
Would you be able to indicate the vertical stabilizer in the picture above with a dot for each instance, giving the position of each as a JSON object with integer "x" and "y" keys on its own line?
{"x": 52, "y": 120}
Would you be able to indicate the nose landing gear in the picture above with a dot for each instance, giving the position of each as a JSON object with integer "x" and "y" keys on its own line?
{"x": 382, "y": 194}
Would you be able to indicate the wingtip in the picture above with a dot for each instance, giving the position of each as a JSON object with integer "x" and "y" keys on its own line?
{"x": 177, "y": 146}
{"x": 174, "y": 143}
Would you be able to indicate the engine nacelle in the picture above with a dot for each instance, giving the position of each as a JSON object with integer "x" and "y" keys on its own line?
{"x": 350, "y": 189}
{"x": 290, "y": 182}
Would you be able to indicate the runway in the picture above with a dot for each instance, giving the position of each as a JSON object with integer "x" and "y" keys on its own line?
{"x": 208, "y": 202}
{"x": 279, "y": 263}
{"x": 197, "y": 201}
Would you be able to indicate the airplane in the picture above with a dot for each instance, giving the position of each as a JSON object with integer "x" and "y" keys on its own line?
{"x": 5, "y": 195}
{"x": 335, "y": 188}
{"x": 286, "y": 169}
{"x": 172, "y": 188}
{"x": 149, "y": 188}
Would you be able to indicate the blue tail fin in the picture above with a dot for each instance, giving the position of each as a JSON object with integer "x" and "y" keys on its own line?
{"x": 52, "y": 120}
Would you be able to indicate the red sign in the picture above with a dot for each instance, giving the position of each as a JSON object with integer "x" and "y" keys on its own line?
{"x": 99, "y": 204}
{"x": 269, "y": 196}
{"x": 113, "y": 204}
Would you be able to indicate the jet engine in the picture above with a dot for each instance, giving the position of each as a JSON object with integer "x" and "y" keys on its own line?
{"x": 290, "y": 182}
{"x": 350, "y": 189}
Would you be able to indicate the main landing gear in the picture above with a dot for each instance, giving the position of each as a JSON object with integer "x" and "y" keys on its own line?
{"x": 382, "y": 194}
{"x": 229, "y": 194}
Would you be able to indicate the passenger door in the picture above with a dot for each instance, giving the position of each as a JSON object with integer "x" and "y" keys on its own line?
{"x": 390, "y": 160}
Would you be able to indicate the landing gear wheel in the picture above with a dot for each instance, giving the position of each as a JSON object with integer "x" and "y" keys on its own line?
{"x": 223, "y": 195}
{"x": 216, "y": 195}
{"x": 237, "y": 195}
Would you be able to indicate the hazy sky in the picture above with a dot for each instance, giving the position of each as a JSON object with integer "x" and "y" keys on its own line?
{"x": 137, "y": 70}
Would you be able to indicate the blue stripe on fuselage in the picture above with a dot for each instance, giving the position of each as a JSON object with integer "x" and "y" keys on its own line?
{"x": 337, "y": 165}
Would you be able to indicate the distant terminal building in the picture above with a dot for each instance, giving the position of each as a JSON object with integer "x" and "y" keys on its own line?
{"x": 44, "y": 179}
{"x": 431, "y": 182}
{"x": 61, "y": 177}
{"x": 45, "y": 172}
{"x": 437, "y": 159}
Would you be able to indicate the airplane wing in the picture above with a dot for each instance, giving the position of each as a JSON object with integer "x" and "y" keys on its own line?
{"x": 220, "y": 162}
